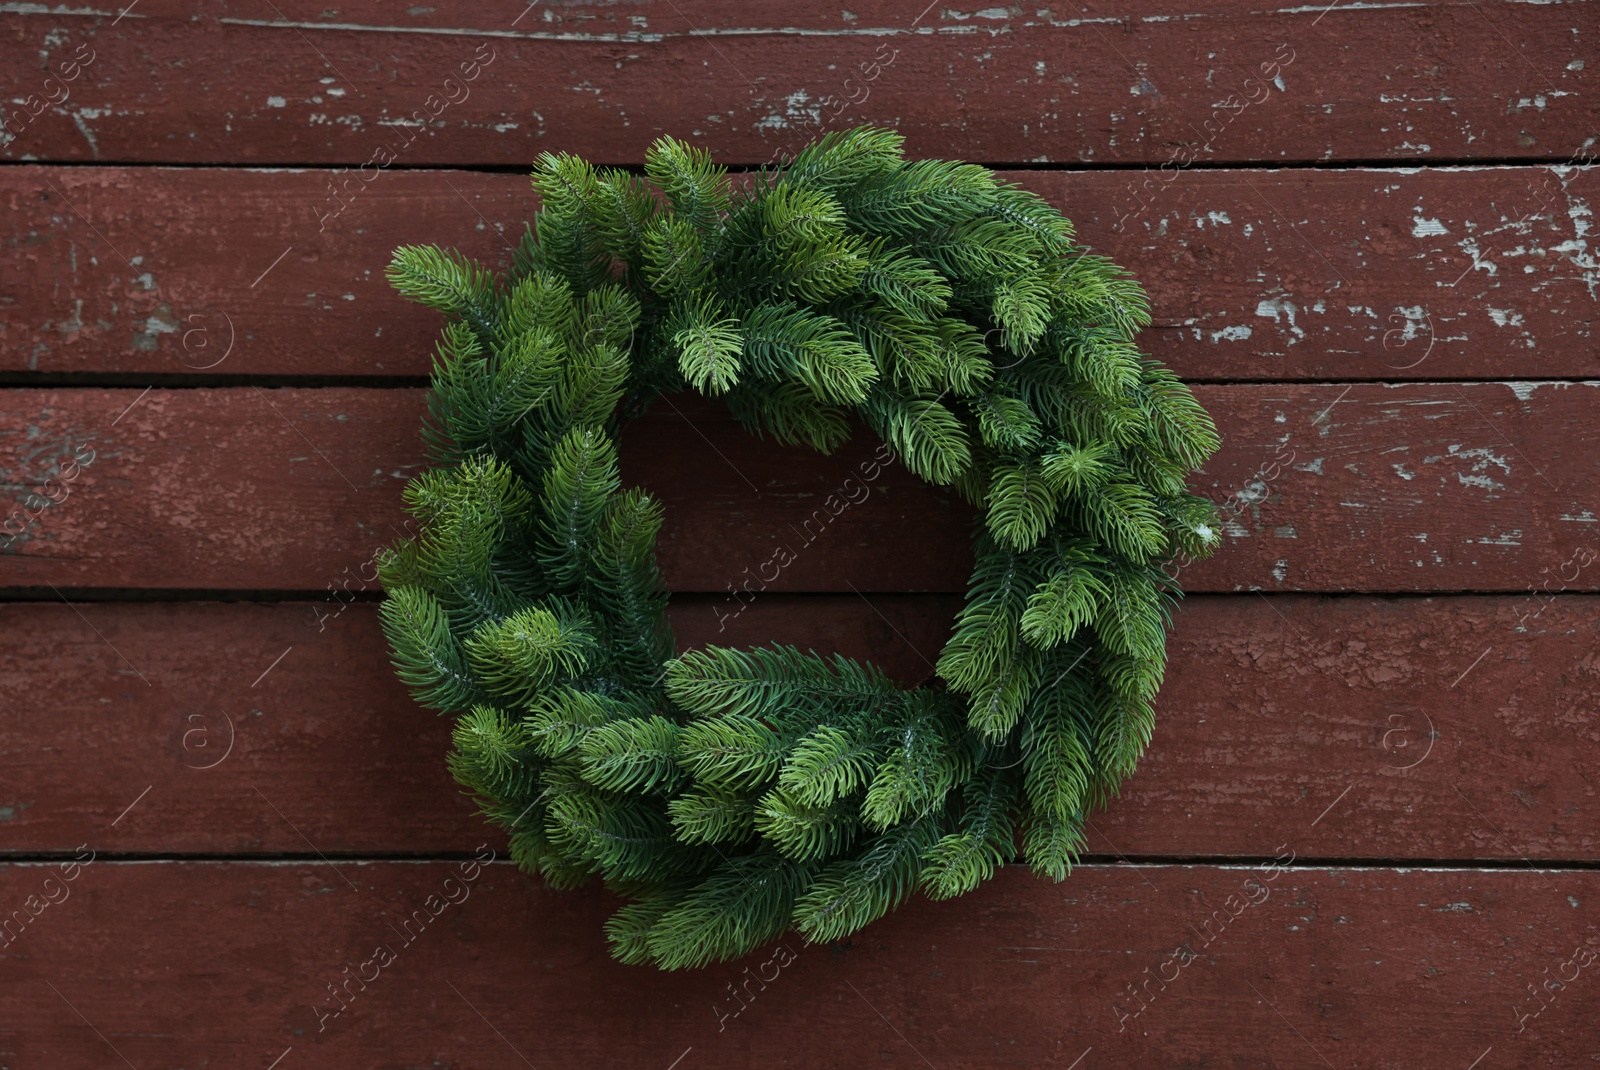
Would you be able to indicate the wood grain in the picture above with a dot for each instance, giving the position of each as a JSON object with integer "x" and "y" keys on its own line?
{"x": 300, "y": 83}
{"x": 225, "y": 711}
{"x": 1407, "y": 708}
{"x": 1276, "y": 275}
{"x": 1364, "y": 487}
{"x": 1461, "y": 728}
{"x": 229, "y": 963}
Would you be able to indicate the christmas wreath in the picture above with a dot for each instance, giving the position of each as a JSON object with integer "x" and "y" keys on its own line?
{"x": 733, "y": 794}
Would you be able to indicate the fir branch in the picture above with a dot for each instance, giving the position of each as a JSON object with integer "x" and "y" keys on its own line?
{"x": 449, "y": 282}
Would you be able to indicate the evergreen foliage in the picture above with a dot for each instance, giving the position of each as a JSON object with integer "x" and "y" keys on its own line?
{"x": 729, "y": 794}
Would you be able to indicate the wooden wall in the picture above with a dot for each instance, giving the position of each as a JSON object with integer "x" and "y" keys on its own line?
{"x": 1366, "y": 832}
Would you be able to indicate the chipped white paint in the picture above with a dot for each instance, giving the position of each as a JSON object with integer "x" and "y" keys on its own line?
{"x": 986, "y": 13}
{"x": 1585, "y": 517}
{"x": 1538, "y": 102}
{"x": 59, "y": 9}
{"x": 1275, "y": 307}
{"x": 1482, "y": 458}
{"x": 1280, "y": 570}
{"x": 1255, "y": 491}
{"x": 1231, "y": 334}
{"x": 1400, "y": 470}
{"x": 1415, "y": 323}
{"x": 1479, "y": 481}
{"x": 276, "y": 102}
{"x": 1524, "y": 391}
{"x": 1505, "y": 317}
{"x": 1485, "y": 457}
{"x": 1470, "y": 247}
{"x": 794, "y": 109}
{"x": 1423, "y": 228}
{"x": 1576, "y": 249}
{"x": 1400, "y": 98}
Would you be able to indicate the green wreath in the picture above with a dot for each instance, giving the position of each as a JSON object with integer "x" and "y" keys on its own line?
{"x": 733, "y": 794}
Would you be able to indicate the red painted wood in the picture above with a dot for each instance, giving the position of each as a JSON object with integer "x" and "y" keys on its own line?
{"x": 1435, "y": 274}
{"x": 1365, "y": 487}
{"x": 1377, "y": 728}
{"x": 1412, "y": 736}
{"x": 225, "y": 711}
{"x": 1309, "y": 274}
{"x": 182, "y": 964}
{"x": 227, "y": 81}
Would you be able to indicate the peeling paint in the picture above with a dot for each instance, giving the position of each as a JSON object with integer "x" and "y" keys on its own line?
{"x": 1479, "y": 481}
{"x": 1483, "y": 457}
{"x": 163, "y": 321}
{"x": 1276, "y": 307}
{"x": 1231, "y": 334}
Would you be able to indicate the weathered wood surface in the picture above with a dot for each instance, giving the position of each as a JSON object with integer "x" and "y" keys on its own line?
{"x": 1429, "y": 761}
{"x": 301, "y": 83}
{"x": 237, "y": 964}
{"x": 1362, "y": 487}
{"x": 1461, "y": 728}
{"x": 1279, "y": 275}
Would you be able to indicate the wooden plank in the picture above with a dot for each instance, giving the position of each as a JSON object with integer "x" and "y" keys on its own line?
{"x": 1457, "y": 273}
{"x": 1305, "y": 274}
{"x": 210, "y": 715}
{"x": 237, "y": 964}
{"x": 227, "y": 81}
{"x": 1376, "y": 728}
{"x": 1365, "y": 487}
